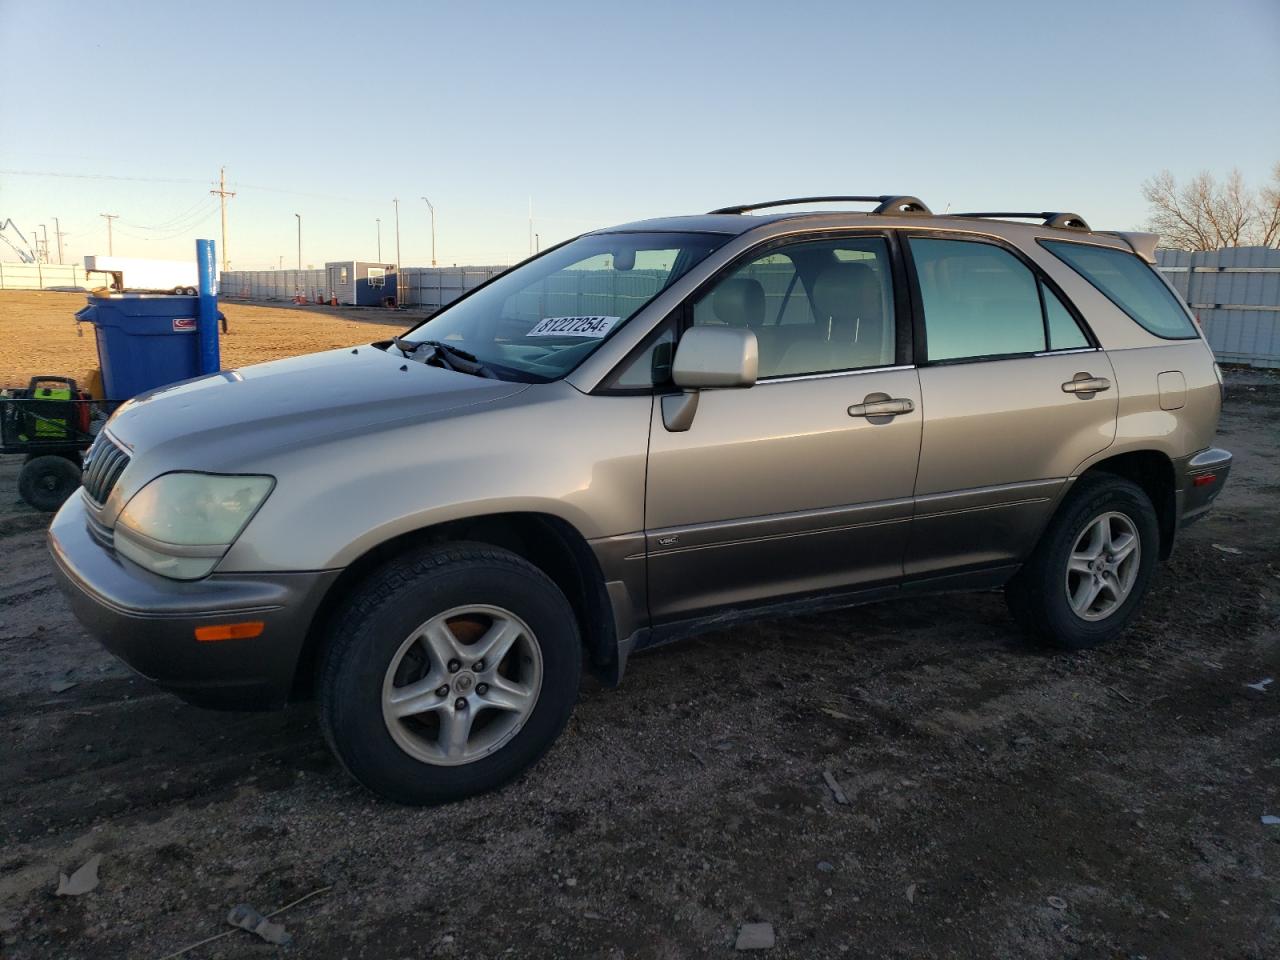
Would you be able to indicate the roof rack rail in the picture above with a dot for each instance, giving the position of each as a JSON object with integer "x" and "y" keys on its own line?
{"x": 890, "y": 204}
{"x": 1066, "y": 221}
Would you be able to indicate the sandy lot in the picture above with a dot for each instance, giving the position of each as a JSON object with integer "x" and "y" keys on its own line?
{"x": 1003, "y": 801}
{"x": 39, "y": 334}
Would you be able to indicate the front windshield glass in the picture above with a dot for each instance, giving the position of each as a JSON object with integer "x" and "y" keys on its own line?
{"x": 540, "y": 320}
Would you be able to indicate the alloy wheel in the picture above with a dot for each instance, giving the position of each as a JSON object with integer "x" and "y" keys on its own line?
{"x": 1103, "y": 566}
{"x": 462, "y": 685}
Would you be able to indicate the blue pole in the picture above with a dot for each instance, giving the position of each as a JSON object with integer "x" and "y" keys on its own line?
{"x": 207, "y": 316}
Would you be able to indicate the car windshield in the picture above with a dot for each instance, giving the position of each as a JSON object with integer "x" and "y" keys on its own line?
{"x": 540, "y": 320}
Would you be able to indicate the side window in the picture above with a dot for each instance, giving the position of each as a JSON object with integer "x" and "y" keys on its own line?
{"x": 1064, "y": 332}
{"x": 979, "y": 300}
{"x": 1130, "y": 284}
{"x": 785, "y": 299}
{"x": 815, "y": 307}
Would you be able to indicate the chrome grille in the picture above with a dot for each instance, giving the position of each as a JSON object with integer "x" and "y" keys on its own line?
{"x": 103, "y": 465}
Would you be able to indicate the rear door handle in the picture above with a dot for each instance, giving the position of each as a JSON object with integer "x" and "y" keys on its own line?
{"x": 881, "y": 405}
{"x": 1086, "y": 384}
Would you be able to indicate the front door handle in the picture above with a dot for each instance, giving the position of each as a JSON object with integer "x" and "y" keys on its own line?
{"x": 881, "y": 405}
{"x": 1086, "y": 385}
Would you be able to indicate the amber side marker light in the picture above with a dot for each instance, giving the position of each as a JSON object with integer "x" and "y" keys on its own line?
{"x": 230, "y": 631}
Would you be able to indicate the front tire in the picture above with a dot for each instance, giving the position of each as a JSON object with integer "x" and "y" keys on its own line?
{"x": 1085, "y": 580}
{"x": 448, "y": 672}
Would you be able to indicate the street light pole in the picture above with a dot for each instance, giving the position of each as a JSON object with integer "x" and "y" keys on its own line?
{"x": 378, "y": 221}
{"x": 299, "y": 216}
{"x": 433, "y": 229}
{"x": 396, "y": 201}
{"x": 57, "y": 232}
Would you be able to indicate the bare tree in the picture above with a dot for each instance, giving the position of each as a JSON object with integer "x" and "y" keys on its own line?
{"x": 1205, "y": 214}
{"x": 1269, "y": 206}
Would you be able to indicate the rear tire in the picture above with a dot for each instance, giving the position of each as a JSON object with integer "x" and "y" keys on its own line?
{"x": 45, "y": 482}
{"x": 419, "y": 625}
{"x": 1086, "y": 578}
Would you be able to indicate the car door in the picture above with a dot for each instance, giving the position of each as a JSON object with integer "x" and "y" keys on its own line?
{"x": 801, "y": 483}
{"x": 1016, "y": 396}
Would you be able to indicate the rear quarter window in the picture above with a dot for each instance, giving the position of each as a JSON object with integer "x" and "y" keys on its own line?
{"x": 1129, "y": 283}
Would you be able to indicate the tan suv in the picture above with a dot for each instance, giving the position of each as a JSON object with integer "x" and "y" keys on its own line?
{"x": 645, "y": 432}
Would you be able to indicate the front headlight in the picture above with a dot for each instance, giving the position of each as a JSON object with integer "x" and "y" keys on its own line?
{"x": 180, "y": 524}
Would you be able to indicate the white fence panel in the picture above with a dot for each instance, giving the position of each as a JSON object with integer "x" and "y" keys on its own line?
{"x": 1235, "y": 294}
{"x": 49, "y": 276}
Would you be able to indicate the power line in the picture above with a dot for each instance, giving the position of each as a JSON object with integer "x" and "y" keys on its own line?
{"x": 187, "y": 228}
{"x": 177, "y": 226}
{"x": 168, "y": 224}
{"x": 93, "y": 176}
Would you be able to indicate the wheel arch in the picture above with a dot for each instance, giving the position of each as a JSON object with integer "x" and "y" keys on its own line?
{"x": 1153, "y": 471}
{"x": 550, "y": 543}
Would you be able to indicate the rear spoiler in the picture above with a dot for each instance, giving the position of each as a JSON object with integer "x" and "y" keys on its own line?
{"x": 1143, "y": 244}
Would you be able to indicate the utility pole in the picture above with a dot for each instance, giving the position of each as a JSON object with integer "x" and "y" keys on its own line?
{"x": 433, "y": 229}
{"x": 378, "y": 221}
{"x": 280, "y": 265}
{"x": 109, "y": 217}
{"x": 57, "y": 232}
{"x": 222, "y": 193}
{"x": 299, "y": 216}
{"x": 44, "y": 230}
{"x": 396, "y": 201}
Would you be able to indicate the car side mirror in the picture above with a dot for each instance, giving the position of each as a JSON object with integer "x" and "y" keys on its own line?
{"x": 708, "y": 358}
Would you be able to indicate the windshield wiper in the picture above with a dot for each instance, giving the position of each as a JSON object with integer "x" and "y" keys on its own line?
{"x": 454, "y": 358}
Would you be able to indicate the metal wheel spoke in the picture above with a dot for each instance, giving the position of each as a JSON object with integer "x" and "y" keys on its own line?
{"x": 496, "y": 642}
{"x": 439, "y": 639}
{"x": 417, "y": 697}
{"x": 506, "y": 695}
{"x": 1085, "y": 594}
{"x": 1079, "y": 563}
{"x": 455, "y": 731}
{"x": 1122, "y": 546}
{"x": 1111, "y": 583}
{"x": 1097, "y": 537}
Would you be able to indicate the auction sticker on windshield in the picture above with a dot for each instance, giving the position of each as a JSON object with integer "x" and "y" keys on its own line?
{"x": 593, "y": 327}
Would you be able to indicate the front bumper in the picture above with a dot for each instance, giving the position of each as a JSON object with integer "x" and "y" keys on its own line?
{"x": 149, "y": 621}
{"x": 1199, "y": 481}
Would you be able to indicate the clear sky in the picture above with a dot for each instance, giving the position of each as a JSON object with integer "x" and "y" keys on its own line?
{"x": 603, "y": 112}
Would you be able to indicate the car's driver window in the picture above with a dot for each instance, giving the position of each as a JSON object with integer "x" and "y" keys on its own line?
{"x": 814, "y": 307}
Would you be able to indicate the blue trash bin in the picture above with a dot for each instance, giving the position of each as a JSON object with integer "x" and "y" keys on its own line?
{"x": 144, "y": 340}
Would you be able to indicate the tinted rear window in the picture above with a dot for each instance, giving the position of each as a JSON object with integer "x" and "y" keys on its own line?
{"x": 1130, "y": 284}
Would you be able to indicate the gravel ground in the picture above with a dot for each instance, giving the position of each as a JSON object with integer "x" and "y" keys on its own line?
{"x": 1002, "y": 801}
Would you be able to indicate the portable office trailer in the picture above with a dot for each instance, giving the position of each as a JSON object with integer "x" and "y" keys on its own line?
{"x": 361, "y": 284}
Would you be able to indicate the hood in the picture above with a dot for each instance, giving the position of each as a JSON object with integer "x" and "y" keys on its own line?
{"x": 226, "y": 418}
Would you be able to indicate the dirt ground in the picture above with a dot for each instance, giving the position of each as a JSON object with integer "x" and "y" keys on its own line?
{"x": 39, "y": 334}
{"x": 1002, "y": 801}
